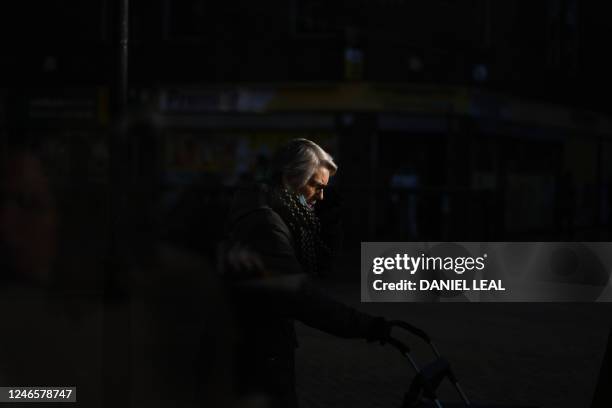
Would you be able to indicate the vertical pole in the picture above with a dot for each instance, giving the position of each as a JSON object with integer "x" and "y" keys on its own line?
{"x": 117, "y": 142}
{"x": 116, "y": 318}
{"x": 122, "y": 88}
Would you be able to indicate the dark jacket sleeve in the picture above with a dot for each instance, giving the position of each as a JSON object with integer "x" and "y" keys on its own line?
{"x": 316, "y": 309}
{"x": 299, "y": 298}
{"x": 266, "y": 234}
{"x": 285, "y": 294}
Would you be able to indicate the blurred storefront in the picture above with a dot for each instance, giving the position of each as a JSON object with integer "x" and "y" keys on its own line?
{"x": 417, "y": 161}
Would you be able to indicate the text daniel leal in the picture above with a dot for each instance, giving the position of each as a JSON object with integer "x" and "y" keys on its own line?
{"x": 412, "y": 264}
{"x": 445, "y": 284}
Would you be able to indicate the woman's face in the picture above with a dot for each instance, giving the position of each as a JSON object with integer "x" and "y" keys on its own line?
{"x": 313, "y": 189}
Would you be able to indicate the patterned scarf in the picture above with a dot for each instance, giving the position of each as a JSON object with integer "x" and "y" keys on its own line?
{"x": 304, "y": 226}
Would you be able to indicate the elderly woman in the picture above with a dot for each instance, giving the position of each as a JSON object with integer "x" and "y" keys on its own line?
{"x": 277, "y": 222}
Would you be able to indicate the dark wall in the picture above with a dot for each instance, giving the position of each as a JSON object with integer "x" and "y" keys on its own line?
{"x": 547, "y": 50}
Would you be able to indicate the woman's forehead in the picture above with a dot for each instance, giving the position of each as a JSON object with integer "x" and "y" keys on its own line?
{"x": 321, "y": 175}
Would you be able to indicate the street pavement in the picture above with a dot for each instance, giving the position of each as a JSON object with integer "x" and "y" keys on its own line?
{"x": 545, "y": 354}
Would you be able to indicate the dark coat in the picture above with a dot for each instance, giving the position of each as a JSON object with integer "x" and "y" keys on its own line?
{"x": 267, "y": 306}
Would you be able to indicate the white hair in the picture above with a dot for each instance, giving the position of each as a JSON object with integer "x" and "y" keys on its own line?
{"x": 295, "y": 163}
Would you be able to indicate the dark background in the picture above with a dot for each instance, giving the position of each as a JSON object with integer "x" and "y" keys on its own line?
{"x": 450, "y": 121}
{"x": 462, "y": 110}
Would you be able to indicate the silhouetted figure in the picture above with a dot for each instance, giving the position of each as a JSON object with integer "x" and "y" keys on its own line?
{"x": 277, "y": 247}
{"x": 180, "y": 340}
